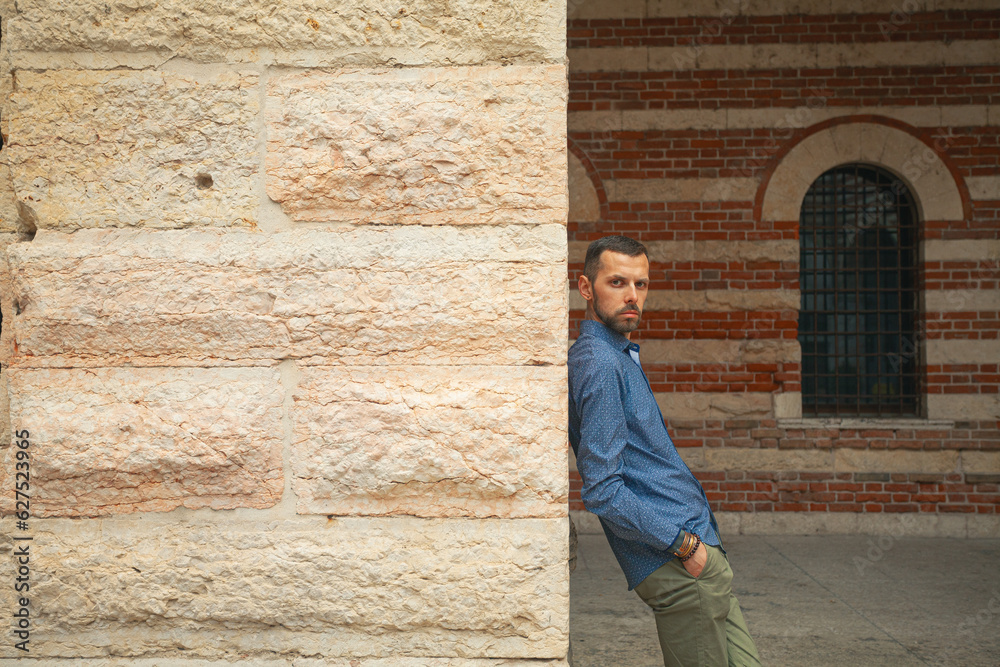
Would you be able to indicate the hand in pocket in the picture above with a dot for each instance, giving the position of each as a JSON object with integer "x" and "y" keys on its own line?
{"x": 696, "y": 563}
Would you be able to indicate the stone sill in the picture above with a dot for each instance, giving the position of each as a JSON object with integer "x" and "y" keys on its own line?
{"x": 868, "y": 423}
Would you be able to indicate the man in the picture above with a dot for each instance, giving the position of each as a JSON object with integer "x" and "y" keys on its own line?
{"x": 654, "y": 512}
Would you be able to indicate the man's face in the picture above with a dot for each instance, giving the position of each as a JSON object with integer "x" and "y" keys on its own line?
{"x": 618, "y": 292}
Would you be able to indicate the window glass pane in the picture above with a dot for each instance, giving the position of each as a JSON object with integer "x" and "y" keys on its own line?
{"x": 858, "y": 264}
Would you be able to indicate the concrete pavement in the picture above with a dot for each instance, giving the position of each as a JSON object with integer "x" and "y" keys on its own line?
{"x": 816, "y": 600}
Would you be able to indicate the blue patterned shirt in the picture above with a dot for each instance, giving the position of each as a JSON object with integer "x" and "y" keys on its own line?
{"x": 633, "y": 477}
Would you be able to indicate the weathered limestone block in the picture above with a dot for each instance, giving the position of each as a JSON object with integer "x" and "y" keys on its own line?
{"x": 10, "y": 220}
{"x": 437, "y": 441}
{"x": 6, "y": 300}
{"x": 870, "y": 460}
{"x": 584, "y": 204}
{"x": 739, "y": 458}
{"x": 787, "y": 405}
{"x": 457, "y": 145}
{"x": 312, "y": 587}
{"x": 134, "y": 148}
{"x": 945, "y": 351}
{"x": 115, "y": 440}
{"x": 681, "y": 189}
{"x": 980, "y": 462}
{"x": 972, "y": 407}
{"x": 404, "y": 295}
{"x": 8, "y": 470}
{"x": 356, "y": 32}
{"x": 713, "y": 405}
{"x": 6, "y": 474}
{"x": 712, "y": 300}
{"x": 751, "y": 351}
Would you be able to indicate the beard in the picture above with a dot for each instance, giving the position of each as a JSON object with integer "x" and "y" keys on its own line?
{"x": 611, "y": 321}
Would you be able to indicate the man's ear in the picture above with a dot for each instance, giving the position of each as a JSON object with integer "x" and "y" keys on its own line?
{"x": 586, "y": 290}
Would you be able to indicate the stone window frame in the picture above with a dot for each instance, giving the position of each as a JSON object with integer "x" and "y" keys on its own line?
{"x": 937, "y": 191}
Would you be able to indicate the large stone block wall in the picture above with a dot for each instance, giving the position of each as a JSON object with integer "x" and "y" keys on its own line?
{"x": 698, "y": 129}
{"x": 284, "y": 313}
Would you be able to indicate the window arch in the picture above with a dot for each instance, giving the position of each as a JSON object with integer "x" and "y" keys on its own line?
{"x": 859, "y": 294}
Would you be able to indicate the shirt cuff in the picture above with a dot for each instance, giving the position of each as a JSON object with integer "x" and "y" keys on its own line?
{"x": 677, "y": 542}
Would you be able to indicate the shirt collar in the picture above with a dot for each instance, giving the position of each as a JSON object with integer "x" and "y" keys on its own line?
{"x": 612, "y": 338}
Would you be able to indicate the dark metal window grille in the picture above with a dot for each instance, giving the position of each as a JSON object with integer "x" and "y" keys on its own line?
{"x": 858, "y": 276}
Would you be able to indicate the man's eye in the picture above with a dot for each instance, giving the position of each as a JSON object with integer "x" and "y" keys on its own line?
{"x": 641, "y": 285}
{"x": 616, "y": 283}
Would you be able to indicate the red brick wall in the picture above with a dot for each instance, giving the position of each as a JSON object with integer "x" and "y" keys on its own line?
{"x": 850, "y": 492}
{"x": 684, "y": 221}
{"x": 973, "y": 325}
{"x": 784, "y": 87}
{"x": 701, "y": 275}
{"x": 684, "y": 153}
{"x": 797, "y": 491}
{"x": 748, "y": 152}
{"x": 944, "y": 26}
{"x": 687, "y": 325}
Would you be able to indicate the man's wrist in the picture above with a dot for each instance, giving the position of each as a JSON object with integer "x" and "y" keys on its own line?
{"x": 689, "y": 544}
{"x": 691, "y": 553}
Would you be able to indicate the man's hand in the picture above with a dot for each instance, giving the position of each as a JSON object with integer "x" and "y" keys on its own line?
{"x": 696, "y": 563}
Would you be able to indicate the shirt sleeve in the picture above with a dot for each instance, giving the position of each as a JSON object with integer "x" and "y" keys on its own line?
{"x": 597, "y": 397}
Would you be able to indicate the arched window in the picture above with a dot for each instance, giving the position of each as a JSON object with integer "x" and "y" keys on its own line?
{"x": 858, "y": 276}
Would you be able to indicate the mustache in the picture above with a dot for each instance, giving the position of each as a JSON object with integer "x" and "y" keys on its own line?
{"x": 631, "y": 308}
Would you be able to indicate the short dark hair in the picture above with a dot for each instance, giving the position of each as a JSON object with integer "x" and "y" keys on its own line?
{"x": 619, "y": 244}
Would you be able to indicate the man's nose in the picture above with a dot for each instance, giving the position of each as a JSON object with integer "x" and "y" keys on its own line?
{"x": 631, "y": 294}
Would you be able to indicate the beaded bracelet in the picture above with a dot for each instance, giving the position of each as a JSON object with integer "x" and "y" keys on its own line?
{"x": 697, "y": 543}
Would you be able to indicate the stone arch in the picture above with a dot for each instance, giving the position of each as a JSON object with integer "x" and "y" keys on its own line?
{"x": 588, "y": 201}
{"x": 584, "y": 204}
{"x": 933, "y": 184}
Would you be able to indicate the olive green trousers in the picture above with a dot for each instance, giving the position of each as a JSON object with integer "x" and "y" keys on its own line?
{"x": 698, "y": 619}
